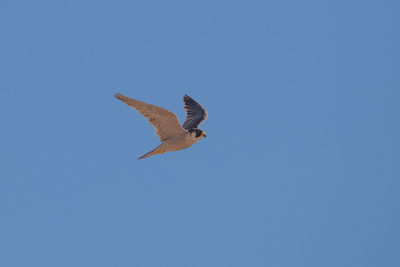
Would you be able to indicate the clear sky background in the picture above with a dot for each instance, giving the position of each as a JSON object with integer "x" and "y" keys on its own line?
{"x": 300, "y": 166}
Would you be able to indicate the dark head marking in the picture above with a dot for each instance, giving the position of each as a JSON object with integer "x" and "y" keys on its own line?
{"x": 197, "y": 131}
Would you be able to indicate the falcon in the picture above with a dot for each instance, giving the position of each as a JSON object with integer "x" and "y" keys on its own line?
{"x": 172, "y": 134}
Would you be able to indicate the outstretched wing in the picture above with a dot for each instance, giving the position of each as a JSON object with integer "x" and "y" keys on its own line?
{"x": 195, "y": 113}
{"x": 165, "y": 122}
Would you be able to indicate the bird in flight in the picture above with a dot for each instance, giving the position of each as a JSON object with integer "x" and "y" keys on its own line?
{"x": 172, "y": 134}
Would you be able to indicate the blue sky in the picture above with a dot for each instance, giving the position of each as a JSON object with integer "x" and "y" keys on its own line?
{"x": 300, "y": 166}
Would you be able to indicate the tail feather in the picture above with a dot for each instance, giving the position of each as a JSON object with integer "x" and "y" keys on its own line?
{"x": 157, "y": 150}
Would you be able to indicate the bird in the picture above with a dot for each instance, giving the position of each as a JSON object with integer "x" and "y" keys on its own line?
{"x": 172, "y": 134}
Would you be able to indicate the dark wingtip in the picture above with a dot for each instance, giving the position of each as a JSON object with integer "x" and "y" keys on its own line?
{"x": 119, "y": 96}
{"x": 187, "y": 98}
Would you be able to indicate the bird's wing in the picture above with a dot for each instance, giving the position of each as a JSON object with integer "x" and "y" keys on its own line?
{"x": 195, "y": 113}
{"x": 165, "y": 122}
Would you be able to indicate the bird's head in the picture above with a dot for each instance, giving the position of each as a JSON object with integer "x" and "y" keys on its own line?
{"x": 197, "y": 133}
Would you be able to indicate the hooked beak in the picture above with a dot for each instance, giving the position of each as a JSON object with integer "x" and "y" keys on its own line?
{"x": 204, "y": 135}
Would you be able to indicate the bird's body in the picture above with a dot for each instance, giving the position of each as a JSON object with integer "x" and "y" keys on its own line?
{"x": 172, "y": 134}
{"x": 179, "y": 142}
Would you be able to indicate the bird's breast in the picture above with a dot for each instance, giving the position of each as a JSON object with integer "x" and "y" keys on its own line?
{"x": 179, "y": 143}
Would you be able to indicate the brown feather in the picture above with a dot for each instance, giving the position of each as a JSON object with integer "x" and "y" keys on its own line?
{"x": 165, "y": 122}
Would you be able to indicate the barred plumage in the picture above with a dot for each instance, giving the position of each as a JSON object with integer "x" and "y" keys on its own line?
{"x": 172, "y": 135}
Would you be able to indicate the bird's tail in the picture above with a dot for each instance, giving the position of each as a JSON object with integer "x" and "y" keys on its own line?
{"x": 157, "y": 150}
